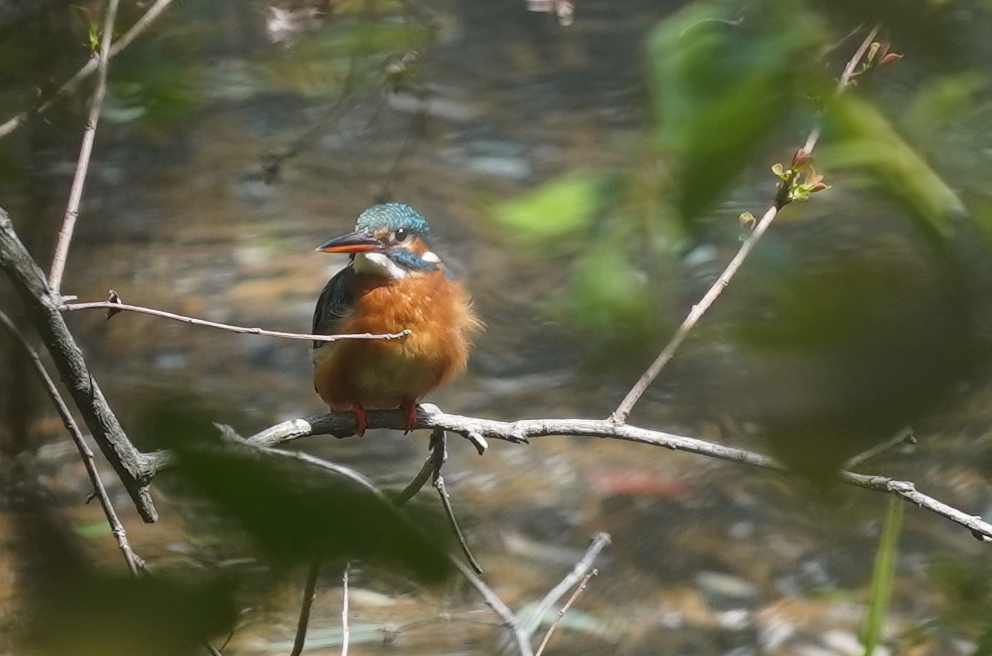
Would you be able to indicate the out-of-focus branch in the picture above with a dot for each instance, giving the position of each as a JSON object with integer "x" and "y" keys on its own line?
{"x": 91, "y": 67}
{"x": 620, "y": 415}
{"x": 85, "y": 153}
{"x": 114, "y": 306}
{"x": 599, "y": 542}
{"x": 133, "y": 467}
{"x": 99, "y": 490}
{"x": 564, "y": 609}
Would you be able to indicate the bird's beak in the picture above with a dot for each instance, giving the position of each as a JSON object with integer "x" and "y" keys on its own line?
{"x": 359, "y": 241}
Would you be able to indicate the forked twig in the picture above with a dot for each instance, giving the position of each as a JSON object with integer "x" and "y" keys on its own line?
{"x": 85, "y": 152}
{"x": 581, "y": 568}
{"x": 620, "y": 415}
{"x": 564, "y": 609}
{"x": 114, "y": 306}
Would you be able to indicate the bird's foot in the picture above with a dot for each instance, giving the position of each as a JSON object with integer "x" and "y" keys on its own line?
{"x": 361, "y": 418}
{"x": 410, "y": 406}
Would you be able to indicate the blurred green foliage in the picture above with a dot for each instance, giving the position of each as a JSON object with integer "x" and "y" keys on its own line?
{"x": 293, "y": 512}
{"x": 863, "y": 137}
{"x": 722, "y": 81}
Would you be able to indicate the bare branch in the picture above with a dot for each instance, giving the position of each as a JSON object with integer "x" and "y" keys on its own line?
{"x": 99, "y": 490}
{"x": 309, "y": 594}
{"x": 620, "y": 415}
{"x": 91, "y": 67}
{"x": 115, "y": 306}
{"x": 564, "y": 609}
{"x": 430, "y": 417}
{"x": 133, "y": 467}
{"x": 85, "y": 152}
{"x": 581, "y": 568}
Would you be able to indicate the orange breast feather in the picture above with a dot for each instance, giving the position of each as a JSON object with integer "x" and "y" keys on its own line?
{"x": 382, "y": 374}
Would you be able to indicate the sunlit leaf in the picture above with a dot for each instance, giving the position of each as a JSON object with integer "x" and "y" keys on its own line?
{"x": 559, "y": 207}
{"x": 862, "y": 137}
{"x": 882, "y": 577}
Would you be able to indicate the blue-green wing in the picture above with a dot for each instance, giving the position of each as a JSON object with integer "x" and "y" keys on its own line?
{"x": 334, "y": 304}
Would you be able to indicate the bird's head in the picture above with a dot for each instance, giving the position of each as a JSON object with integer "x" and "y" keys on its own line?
{"x": 389, "y": 240}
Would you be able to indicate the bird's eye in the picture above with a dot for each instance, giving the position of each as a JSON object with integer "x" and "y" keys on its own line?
{"x": 401, "y": 234}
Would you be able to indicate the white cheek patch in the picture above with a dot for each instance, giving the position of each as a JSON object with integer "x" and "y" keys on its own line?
{"x": 378, "y": 264}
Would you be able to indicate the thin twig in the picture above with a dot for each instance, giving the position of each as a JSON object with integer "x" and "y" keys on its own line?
{"x": 905, "y": 436}
{"x": 309, "y": 594}
{"x": 620, "y": 415}
{"x": 85, "y": 152}
{"x": 439, "y": 454}
{"x": 564, "y": 609}
{"x": 91, "y": 67}
{"x": 417, "y": 483}
{"x": 345, "y": 631}
{"x": 430, "y": 416}
{"x": 581, "y": 568}
{"x": 99, "y": 490}
{"x": 111, "y": 305}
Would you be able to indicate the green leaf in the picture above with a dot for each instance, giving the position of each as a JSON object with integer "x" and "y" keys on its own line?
{"x": 882, "y": 576}
{"x": 556, "y": 208}
{"x": 722, "y": 83}
{"x": 862, "y": 137}
{"x": 295, "y": 513}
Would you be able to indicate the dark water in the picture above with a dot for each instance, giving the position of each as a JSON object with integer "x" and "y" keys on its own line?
{"x": 707, "y": 558}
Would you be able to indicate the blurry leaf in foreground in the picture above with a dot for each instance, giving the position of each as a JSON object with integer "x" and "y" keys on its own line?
{"x": 75, "y": 610}
{"x": 721, "y": 83}
{"x": 862, "y": 137}
{"x": 115, "y": 616}
{"x": 295, "y": 513}
{"x": 942, "y": 101}
{"x": 556, "y": 208}
{"x": 608, "y": 298}
{"x": 849, "y": 335}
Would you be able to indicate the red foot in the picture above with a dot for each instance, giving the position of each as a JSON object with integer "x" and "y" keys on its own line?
{"x": 361, "y": 418}
{"x": 411, "y": 414}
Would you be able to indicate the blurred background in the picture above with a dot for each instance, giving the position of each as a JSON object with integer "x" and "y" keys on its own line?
{"x": 584, "y": 169}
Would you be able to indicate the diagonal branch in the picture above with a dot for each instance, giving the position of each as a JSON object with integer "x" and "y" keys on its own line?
{"x": 133, "y": 467}
{"x": 85, "y": 152}
{"x": 91, "y": 67}
{"x": 620, "y": 415}
{"x": 99, "y": 490}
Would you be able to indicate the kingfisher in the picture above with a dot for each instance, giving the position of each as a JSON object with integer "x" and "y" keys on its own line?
{"x": 393, "y": 282}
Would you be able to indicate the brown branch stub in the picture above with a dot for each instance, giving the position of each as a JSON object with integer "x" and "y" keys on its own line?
{"x": 114, "y": 305}
{"x": 133, "y": 467}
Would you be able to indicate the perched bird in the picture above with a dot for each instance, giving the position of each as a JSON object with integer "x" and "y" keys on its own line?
{"x": 394, "y": 282}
